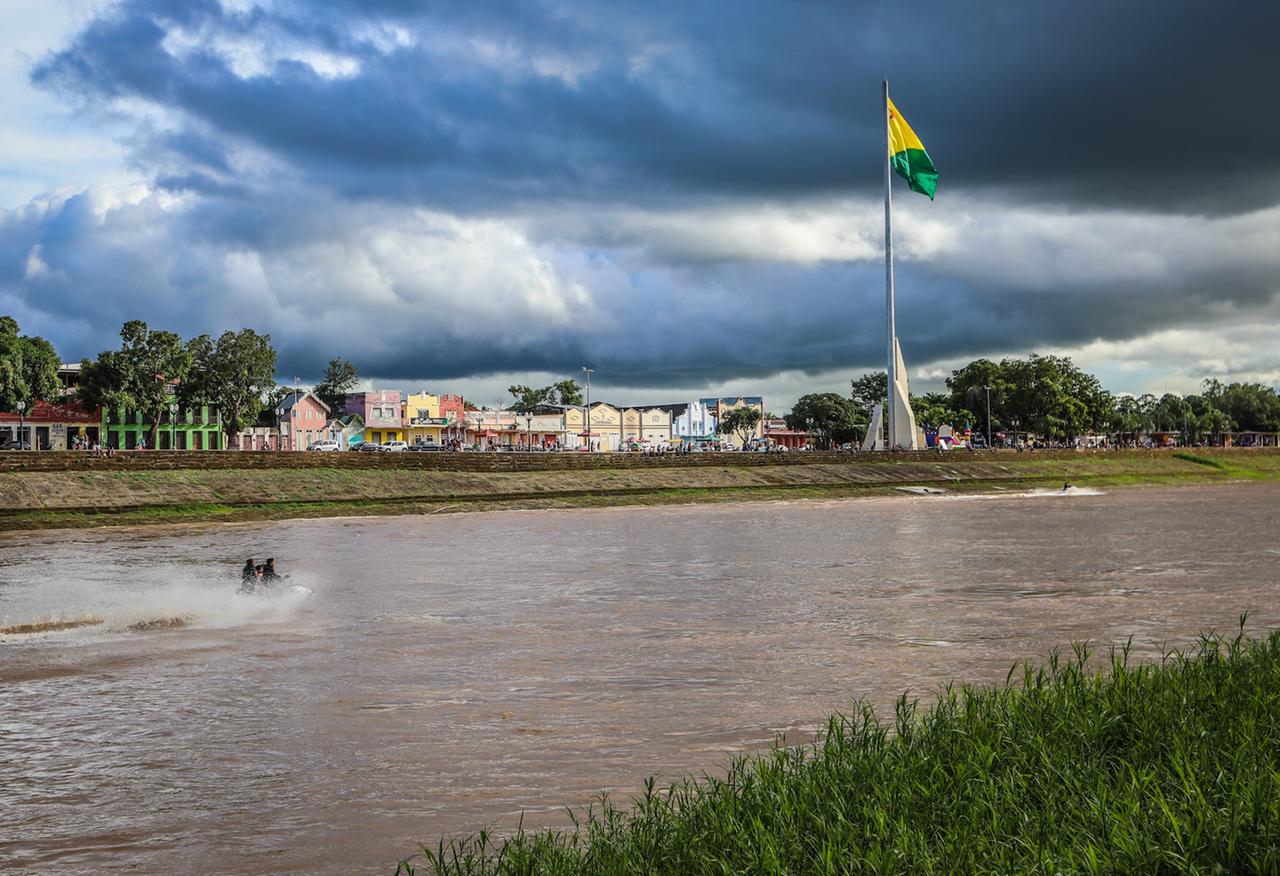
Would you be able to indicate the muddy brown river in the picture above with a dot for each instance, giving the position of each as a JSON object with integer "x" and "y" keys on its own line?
{"x": 450, "y": 672}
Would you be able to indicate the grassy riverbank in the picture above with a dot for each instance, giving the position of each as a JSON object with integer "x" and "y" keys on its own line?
{"x": 145, "y": 489}
{"x": 1149, "y": 768}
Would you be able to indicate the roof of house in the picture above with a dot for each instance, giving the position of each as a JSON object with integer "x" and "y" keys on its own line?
{"x": 676, "y": 409}
{"x": 286, "y": 404}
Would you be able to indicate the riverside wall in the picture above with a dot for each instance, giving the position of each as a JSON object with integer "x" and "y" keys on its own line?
{"x": 224, "y": 460}
{"x": 37, "y": 489}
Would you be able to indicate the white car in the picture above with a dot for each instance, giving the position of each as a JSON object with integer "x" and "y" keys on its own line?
{"x": 329, "y": 446}
{"x": 393, "y": 446}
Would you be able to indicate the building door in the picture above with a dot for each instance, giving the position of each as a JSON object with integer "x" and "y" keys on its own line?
{"x": 197, "y": 441}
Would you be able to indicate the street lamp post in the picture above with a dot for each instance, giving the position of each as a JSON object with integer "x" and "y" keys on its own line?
{"x": 173, "y": 425}
{"x": 528, "y": 431}
{"x": 988, "y": 389}
{"x": 587, "y": 418}
{"x": 22, "y": 425}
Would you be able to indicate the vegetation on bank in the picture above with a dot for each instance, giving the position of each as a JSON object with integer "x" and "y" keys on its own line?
{"x": 1169, "y": 767}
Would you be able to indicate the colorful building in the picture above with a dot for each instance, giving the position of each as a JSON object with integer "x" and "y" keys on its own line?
{"x": 423, "y": 423}
{"x": 198, "y": 428}
{"x": 302, "y": 419}
{"x": 778, "y": 434}
{"x": 380, "y": 410}
{"x": 347, "y": 430}
{"x": 52, "y": 425}
{"x": 264, "y": 434}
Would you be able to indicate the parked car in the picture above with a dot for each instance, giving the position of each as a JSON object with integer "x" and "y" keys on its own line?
{"x": 15, "y": 444}
{"x": 368, "y": 447}
{"x": 426, "y": 445}
{"x": 325, "y": 446}
{"x": 393, "y": 446}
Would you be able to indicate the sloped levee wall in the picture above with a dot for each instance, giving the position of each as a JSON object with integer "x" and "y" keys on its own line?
{"x": 17, "y": 461}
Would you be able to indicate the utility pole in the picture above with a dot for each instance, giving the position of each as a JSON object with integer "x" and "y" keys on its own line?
{"x": 988, "y": 389}
{"x": 293, "y": 415}
{"x": 587, "y": 418}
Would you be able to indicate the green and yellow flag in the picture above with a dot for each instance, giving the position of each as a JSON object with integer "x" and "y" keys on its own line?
{"x": 908, "y": 156}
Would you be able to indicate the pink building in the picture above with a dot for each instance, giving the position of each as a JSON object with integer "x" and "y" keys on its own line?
{"x": 452, "y": 408}
{"x": 301, "y": 419}
{"x": 380, "y": 410}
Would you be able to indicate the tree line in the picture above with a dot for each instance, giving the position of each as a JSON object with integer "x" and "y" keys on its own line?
{"x": 152, "y": 369}
{"x": 1048, "y": 396}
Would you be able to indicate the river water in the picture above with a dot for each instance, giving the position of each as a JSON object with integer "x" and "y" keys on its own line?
{"x": 452, "y": 671}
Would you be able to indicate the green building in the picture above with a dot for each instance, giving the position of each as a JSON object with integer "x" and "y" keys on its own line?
{"x": 196, "y": 429}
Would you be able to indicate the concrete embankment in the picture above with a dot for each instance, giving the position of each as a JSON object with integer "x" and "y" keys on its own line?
{"x": 69, "y": 489}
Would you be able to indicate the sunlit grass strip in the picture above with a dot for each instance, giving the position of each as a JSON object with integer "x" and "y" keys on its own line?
{"x": 1168, "y": 767}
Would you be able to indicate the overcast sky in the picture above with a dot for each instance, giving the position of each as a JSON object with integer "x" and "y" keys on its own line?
{"x": 686, "y": 196}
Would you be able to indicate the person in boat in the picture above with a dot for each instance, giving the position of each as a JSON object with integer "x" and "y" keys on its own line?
{"x": 1066, "y": 486}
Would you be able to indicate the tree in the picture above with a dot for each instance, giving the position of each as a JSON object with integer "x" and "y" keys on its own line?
{"x": 741, "y": 422}
{"x": 1252, "y": 406}
{"x": 1045, "y": 394}
{"x": 828, "y": 417}
{"x": 1215, "y": 422}
{"x": 140, "y": 376}
{"x": 231, "y": 373}
{"x": 28, "y": 367}
{"x": 527, "y": 398}
{"x": 568, "y": 392}
{"x": 276, "y": 394}
{"x": 340, "y": 377}
{"x": 870, "y": 389}
{"x": 935, "y": 409}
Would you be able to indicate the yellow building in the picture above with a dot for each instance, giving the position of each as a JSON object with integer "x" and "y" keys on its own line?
{"x": 420, "y": 404}
{"x": 646, "y": 425}
{"x": 606, "y": 427}
{"x": 423, "y": 424}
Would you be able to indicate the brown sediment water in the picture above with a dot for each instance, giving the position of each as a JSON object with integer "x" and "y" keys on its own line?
{"x": 451, "y": 672}
{"x": 48, "y": 626}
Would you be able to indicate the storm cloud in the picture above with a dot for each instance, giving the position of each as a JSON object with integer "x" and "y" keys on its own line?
{"x": 680, "y": 194}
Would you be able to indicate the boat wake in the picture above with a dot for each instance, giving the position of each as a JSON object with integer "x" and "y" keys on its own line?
{"x": 1068, "y": 493}
{"x": 89, "y": 609}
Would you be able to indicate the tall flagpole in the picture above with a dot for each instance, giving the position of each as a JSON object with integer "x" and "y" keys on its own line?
{"x": 890, "y": 324}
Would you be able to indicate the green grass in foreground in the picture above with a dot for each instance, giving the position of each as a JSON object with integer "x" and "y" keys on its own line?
{"x": 1141, "y": 768}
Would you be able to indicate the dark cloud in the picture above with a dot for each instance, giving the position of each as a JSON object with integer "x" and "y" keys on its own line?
{"x": 444, "y": 190}
{"x": 1148, "y": 104}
